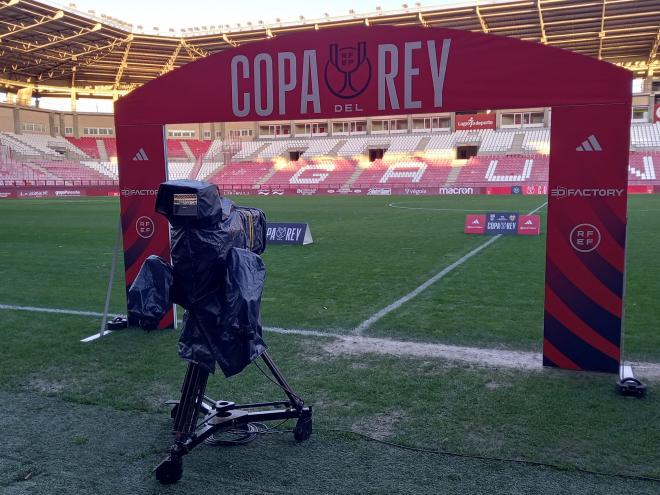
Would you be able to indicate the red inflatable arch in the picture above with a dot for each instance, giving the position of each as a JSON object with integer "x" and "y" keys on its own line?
{"x": 371, "y": 71}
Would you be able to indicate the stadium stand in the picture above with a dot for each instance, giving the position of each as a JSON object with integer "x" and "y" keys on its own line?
{"x": 536, "y": 141}
{"x": 241, "y": 174}
{"x": 643, "y": 167}
{"x": 332, "y": 172}
{"x": 320, "y": 147}
{"x": 505, "y": 157}
{"x": 496, "y": 141}
{"x": 645, "y": 135}
{"x": 441, "y": 144}
{"x": 277, "y": 148}
{"x": 248, "y": 148}
{"x": 87, "y": 145}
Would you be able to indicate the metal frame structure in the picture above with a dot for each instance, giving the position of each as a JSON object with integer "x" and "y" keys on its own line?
{"x": 64, "y": 52}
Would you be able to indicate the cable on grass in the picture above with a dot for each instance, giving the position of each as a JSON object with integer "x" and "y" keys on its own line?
{"x": 490, "y": 458}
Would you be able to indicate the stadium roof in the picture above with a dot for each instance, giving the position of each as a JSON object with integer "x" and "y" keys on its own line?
{"x": 52, "y": 49}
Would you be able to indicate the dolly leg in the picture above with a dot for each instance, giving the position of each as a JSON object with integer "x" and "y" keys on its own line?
{"x": 295, "y": 399}
{"x": 192, "y": 394}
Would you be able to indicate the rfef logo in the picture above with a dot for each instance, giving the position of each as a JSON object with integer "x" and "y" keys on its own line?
{"x": 145, "y": 227}
{"x": 585, "y": 237}
{"x": 348, "y": 71}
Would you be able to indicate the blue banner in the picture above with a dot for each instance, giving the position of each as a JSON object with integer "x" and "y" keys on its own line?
{"x": 502, "y": 222}
{"x": 288, "y": 233}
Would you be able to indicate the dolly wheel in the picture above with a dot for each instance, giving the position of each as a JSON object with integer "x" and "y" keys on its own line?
{"x": 170, "y": 470}
{"x": 303, "y": 429}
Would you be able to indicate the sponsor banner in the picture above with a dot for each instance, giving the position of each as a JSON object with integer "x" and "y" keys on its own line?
{"x": 23, "y": 192}
{"x": 288, "y": 233}
{"x": 640, "y": 189}
{"x": 516, "y": 190}
{"x": 529, "y": 225}
{"x": 459, "y": 191}
{"x": 33, "y": 193}
{"x": 474, "y": 224}
{"x": 379, "y": 191}
{"x": 142, "y": 168}
{"x": 502, "y": 222}
{"x": 498, "y": 190}
{"x": 475, "y": 121}
{"x": 535, "y": 189}
{"x": 656, "y": 113}
{"x": 586, "y": 237}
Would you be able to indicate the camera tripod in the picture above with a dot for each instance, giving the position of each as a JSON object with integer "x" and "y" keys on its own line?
{"x": 222, "y": 415}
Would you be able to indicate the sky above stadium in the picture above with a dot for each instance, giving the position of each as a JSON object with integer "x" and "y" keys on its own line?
{"x": 179, "y": 14}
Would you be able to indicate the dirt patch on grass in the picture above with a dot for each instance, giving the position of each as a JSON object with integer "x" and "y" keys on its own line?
{"x": 379, "y": 426}
{"x": 490, "y": 358}
{"x": 46, "y": 386}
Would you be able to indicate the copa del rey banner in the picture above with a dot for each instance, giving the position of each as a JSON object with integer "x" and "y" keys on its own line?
{"x": 360, "y": 71}
{"x": 368, "y": 71}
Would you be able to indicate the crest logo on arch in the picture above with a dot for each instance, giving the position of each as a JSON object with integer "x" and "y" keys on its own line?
{"x": 348, "y": 71}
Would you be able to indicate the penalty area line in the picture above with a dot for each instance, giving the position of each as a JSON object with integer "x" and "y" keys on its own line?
{"x": 359, "y": 330}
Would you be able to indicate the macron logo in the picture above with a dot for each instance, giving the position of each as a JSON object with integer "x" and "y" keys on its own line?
{"x": 140, "y": 156}
{"x": 591, "y": 144}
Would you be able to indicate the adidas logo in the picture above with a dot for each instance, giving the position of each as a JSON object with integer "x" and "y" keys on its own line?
{"x": 529, "y": 222}
{"x": 475, "y": 221}
{"x": 591, "y": 144}
{"x": 140, "y": 156}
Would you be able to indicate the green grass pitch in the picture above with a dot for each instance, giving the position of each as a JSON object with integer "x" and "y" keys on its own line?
{"x": 88, "y": 418}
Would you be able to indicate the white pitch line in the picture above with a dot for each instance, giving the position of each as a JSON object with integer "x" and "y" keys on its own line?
{"x": 396, "y": 205}
{"x": 74, "y": 312}
{"x": 359, "y": 330}
{"x": 351, "y": 344}
{"x": 33, "y": 309}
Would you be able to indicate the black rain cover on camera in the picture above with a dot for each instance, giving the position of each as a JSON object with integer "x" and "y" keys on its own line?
{"x": 149, "y": 295}
{"x": 225, "y": 328}
{"x": 208, "y": 205}
{"x": 199, "y": 256}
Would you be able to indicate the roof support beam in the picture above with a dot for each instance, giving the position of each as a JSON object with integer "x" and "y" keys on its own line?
{"x": 539, "y": 9}
{"x": 17, "y": 28}
{"x": 228, "y": 40}
{"x": 10, "y": 3}
{"x": 482, "y": 21}
{"x": 66, "y": 56}
{"x": 54, "y": 40}
{"x": 601, "y": 33}
{"x": 172, "y": 60}
{"x": 122, "y": 66}
{"x": 653, "y": 54}
{"x": 194, "y": 51}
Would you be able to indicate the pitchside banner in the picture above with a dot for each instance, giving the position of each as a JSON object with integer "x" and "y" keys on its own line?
{"x": 502, "y": 223}
{"x": 362, "y": 71}
{"x": 142, "y": 153}
{"x": 586, "y": 237}
{"x": 288, "y": 233}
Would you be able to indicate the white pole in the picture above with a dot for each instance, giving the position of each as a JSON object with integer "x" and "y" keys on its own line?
{"x": 111, "y": 280}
